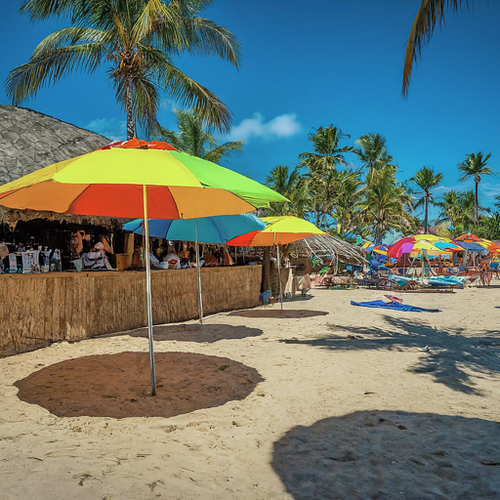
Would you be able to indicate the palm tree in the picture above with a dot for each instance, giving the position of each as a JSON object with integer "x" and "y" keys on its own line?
{"x": 384, "y": 207}
{"x": 137, "y": 40}
{"x": 195, "y": 139}
{"x": 426, "y": 179}
{"x": 475, "y": 165}
{"x": 372, "y": 152}
{"x": 327, "y": 150}
{"x": 293, "y": 186}
{"x": 450, "y": 208}
{"x": 431, "y": 13}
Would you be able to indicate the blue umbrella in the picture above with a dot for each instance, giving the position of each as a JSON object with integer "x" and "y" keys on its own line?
{"x": 218, "y": 229}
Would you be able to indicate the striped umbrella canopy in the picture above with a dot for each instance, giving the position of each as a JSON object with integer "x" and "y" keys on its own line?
{"x": 219, "y": 229}
{"x": 278, "y": 231}
{"x": 491, "y": 246}
{"x": 416, "y": 243}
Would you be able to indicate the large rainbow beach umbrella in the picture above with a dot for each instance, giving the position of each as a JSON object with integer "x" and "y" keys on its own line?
{"x": 134, "y": 179}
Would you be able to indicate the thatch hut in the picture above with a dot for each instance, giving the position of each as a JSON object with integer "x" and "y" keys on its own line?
{"x": 327, "y": 248}
{"x": 31, "y": 140}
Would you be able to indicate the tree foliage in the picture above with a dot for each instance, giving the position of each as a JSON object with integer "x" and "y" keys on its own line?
{"x": 137, "y": 40}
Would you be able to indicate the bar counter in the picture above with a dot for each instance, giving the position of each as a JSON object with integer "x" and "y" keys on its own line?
{"x": 38, "y": 309}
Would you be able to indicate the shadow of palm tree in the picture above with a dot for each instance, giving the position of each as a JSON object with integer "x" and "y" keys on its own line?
{"x": 194, "y": 333}
{"x": 446, "y": 353}
{"x": 391, "y": 455}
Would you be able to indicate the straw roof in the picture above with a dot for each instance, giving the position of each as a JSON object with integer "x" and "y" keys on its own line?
{"x": 329, "y": 246}
{"x": 31, "y": 140}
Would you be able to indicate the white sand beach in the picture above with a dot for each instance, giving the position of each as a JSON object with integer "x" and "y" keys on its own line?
{"x": 355, "y": 404}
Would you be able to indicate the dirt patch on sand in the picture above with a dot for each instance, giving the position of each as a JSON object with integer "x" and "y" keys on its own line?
{"x": 119, "y": 385}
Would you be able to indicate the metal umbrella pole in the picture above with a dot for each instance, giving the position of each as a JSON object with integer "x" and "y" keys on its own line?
{"x": 198, "y": 274}
{"x": 148, "y": 291}
{"x": 279, "y": 272}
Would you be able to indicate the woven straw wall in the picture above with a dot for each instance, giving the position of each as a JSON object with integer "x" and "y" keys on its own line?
{"x": 38, "y": 309}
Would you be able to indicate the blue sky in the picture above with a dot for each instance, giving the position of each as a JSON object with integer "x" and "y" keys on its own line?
{"x": 314, "y": 64}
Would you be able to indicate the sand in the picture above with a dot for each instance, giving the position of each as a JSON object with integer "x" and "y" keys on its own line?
{"x": 357, "y": 404}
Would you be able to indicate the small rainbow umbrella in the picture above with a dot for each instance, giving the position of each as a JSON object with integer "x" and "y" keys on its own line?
{"x": 133, "y": 179}
{"x": 278, "y": 231}
{"x": 472, "y": 238}
{"x": 413, "y": 243}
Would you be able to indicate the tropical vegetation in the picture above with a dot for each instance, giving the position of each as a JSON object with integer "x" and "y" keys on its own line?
{"x": 194, "y": 138}
{"x": 137, "y": 40}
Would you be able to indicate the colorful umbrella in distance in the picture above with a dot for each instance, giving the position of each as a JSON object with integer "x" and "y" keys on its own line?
{"x": 411, "y": 244}
{"x": 491, "y": 246}
{"x": 278, "y": 231}
{"x": 138, "y": 179}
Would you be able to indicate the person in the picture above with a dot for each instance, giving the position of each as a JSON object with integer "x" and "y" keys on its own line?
{"x": 174, "y": 262}
{"x": 486, "y": 274}
{"x": 184, "y": 255}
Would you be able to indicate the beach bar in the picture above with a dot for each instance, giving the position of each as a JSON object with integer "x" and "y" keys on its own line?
{"x": 39, "y": 309}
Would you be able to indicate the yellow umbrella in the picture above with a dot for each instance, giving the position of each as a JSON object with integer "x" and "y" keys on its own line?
{"x": 278, "y": 231}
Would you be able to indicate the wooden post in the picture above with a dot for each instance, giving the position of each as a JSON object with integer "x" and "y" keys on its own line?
{"x": 266, "y": 269}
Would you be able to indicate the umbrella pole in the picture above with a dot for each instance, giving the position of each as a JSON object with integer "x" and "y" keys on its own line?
{"x": 148, "y": 292}
{"x": 198, "y": 274}
{"x": 279, "y": 275}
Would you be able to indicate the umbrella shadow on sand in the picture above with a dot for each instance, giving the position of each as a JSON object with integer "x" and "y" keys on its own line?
{"x": 391, "y": 455}
{"x": 447, "y": 354}
{"x": 194, "y": 333}
{"x": 118, "y": 385}
{"x": 278, "y": 313}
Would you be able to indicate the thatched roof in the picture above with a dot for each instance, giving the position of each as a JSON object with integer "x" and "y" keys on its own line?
{"x": 325, "y": 245}
{"x": 29, "y": 141}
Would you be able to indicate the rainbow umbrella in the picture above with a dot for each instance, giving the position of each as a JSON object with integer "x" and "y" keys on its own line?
{"x": 138, "y": 179}
{"x": 491, "y": 246}
{"x": 414, "y": 243}
{"x": 278, "y": 231}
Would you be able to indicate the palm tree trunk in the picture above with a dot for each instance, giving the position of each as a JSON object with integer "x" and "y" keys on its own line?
{"x": 130, "y": 115}
{"x": 426, "y": 220}
{"x": 476, "y": 203}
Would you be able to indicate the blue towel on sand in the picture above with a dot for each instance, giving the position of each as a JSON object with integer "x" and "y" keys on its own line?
{"x": 392, "y": 305}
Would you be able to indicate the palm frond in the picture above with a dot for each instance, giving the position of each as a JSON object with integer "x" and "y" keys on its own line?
{"x": 26, "y": 80}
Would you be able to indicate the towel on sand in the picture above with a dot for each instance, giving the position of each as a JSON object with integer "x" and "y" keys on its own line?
{"x": 392, "y": 305}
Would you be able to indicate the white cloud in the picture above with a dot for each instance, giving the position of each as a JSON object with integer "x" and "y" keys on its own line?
{"x": 279, "y": 127}
{"x": 112, "y": 128}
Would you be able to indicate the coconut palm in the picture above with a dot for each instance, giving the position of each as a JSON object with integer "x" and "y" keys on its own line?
{"x": 426, "y": 180}
{"x": 430, "y": 14}
{"x": 475, "y": 165}
{"x": 348, "y": 196}
{"x": 136, "y": 40}
{"x": 328, "y": 153}
{"x": 384, "y": 207}
{"x": 372, "y": 152}
{"x": 195, "y": 139}
{"x": 293, "y": 186}
{"x": 450, "y": 208}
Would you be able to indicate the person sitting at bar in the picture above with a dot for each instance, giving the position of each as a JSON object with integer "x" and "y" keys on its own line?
{"x": 96, "y": 258}
{"x": 185, "y": 255}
